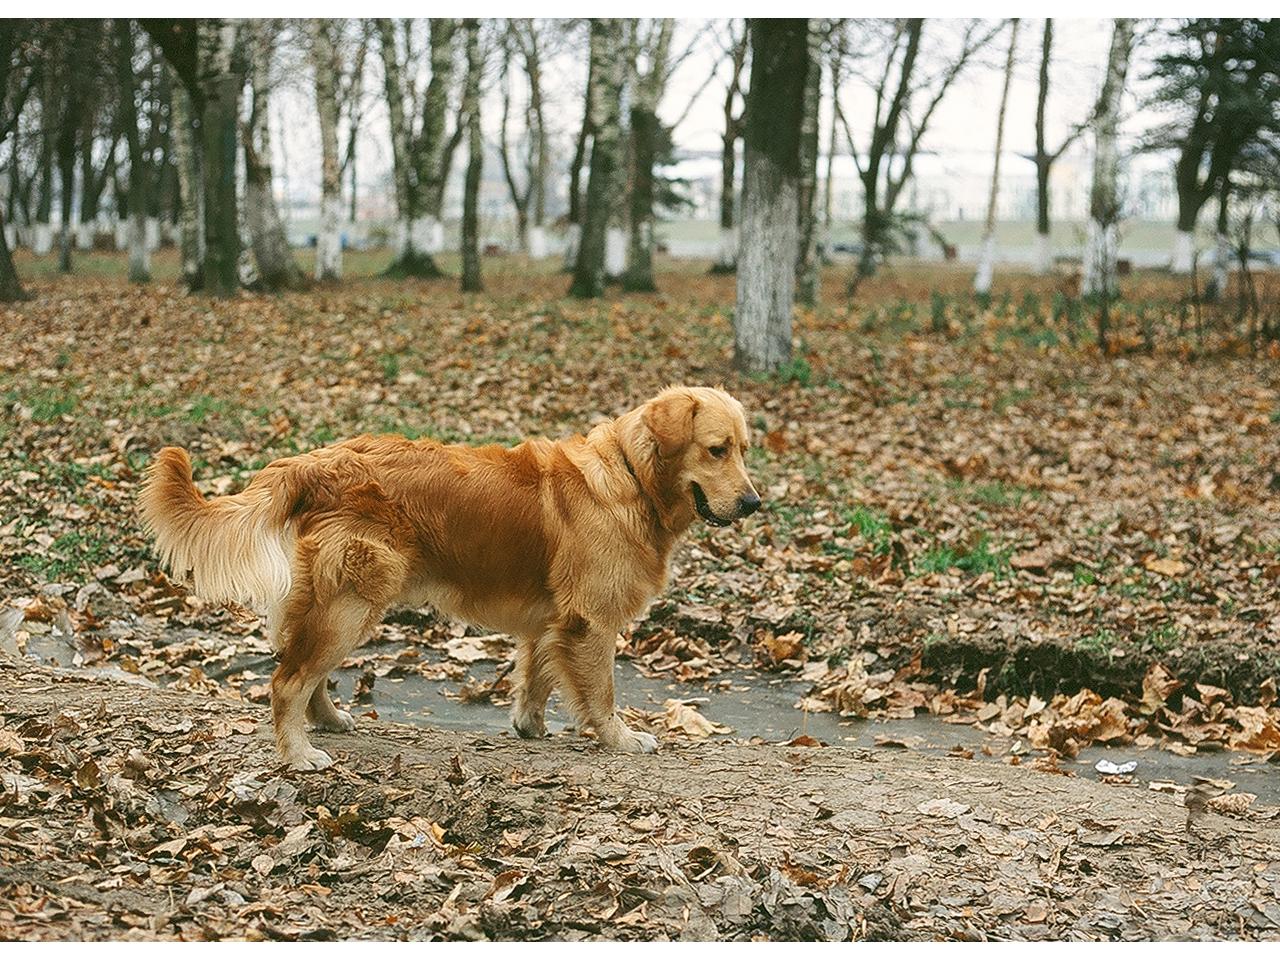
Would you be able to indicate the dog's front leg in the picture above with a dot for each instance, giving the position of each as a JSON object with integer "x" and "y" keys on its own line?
{"x": 584, "y": 655}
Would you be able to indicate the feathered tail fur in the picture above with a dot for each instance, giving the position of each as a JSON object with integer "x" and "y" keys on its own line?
{"x": 233, "y": 547}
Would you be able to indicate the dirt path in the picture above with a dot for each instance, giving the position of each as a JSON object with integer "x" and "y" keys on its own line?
{"x": 128, "y": 811}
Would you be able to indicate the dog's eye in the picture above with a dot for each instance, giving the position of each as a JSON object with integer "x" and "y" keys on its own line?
{"x": 717, "y": 452}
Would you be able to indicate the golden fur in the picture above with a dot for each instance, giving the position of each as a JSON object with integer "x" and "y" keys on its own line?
{"x": 559, "y": 544}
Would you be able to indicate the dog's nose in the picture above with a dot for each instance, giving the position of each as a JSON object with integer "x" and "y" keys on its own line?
{"x": 748, "y": 504}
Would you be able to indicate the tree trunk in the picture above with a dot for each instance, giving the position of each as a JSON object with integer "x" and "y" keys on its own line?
{"x": 1216, "y": 288}
{"x": 770, "y": 193}
{"x": 276, "y": 267}
{"x": 986, "y": 263}
{"x": 329, "y": 238}
{"x": 638, "y": 277}
{"x": 10, "y": 287}
{"x": 139, "y": 253}
{"x": 67, "y": 182}
{"x": 437, "y": 148}
{"x": 1044, "y": 247}
{"x": 190, "y": 188}
{"x": 574, "y": 217}
{"x": 604, "y": 95}
{"x": 645, "y": 131}
{"x": 807, "y": 266}
{"x": 727, "y": 249}
{"x": 471, "y": 280}
{"x": 1104, "y": 199}
{"x": 400, "y": 152}
{"x": 220, "y": 86}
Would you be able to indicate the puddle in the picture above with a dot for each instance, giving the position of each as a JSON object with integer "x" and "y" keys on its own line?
{"x": 753, "y": 705}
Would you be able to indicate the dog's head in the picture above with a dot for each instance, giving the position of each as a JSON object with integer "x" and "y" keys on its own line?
{"x": 699, "y": 439}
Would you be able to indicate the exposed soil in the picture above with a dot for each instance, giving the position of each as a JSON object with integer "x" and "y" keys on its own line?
{"x": 128, "y": 811}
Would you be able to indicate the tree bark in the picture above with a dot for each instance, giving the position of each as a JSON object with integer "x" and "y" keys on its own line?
{"x": 986, "y": 264}
{"x": 190, "y": 188}
{"x": 807, "y": 266}
{"x": 604, "y": 95}
{"x": 276, "y": 267}
{"x": 1104, "y": 197}
{"x": 770, "y": 194}
{"x": 220, "y": 85}
{"x": 10, "y": 287}
{"x": 645, "y": 131}
{"x": 139, "y": 252}
{"x": 727, "y": 249}
{"x": 471, "y": 279}
{"x": 324, "y": 60}
{"x": 1044, "y": 248}
{"x": 574, "y": 217}
{"x": 1216, "y": 288}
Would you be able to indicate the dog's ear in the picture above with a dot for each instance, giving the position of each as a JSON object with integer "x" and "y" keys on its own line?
{"x": 669, "y": 418}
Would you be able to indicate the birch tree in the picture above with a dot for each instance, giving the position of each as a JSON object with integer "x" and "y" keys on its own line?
{"x": 19, "y": 73}
{"x": 190, "y": 188}
{"x": 524, "y": 39}
{"x": 139, "y": 251}
{"x": 277, "y": 269}
{"x": 471, "y": 280}
{"x": 604, "y": 93}
{"x": 1044, "y": 158}
{"x": 202, "y": 54}
{"x": 907, "y": 92}
{"x": 328, "y": 69}
{"x": 770, "y": 193}
{"x": 651, "y": 80}
{"x": 421, "y": 145}
{"x": 736, "y": 48}
{"x": 1104, "y": 195}
{"x": 986, "y": 261}
{"x": 807, "y": 266}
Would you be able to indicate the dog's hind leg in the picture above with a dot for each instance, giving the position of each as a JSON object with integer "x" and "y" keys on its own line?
{"x": 533, "y": 683}
{"x": 324, "y": 713}
{"x": 583, "y": 655}
{"x": 329, "y": 613}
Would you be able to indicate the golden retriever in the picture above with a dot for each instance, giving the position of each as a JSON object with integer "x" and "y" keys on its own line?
{"x": 557, "y": 543}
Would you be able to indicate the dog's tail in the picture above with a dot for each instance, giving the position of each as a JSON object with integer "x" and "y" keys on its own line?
{"x": 233, "y": 547}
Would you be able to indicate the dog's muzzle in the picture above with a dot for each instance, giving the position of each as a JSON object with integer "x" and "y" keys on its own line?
{"x": 747, "y": 505}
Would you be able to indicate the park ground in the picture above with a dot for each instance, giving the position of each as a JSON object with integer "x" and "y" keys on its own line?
{"x": 973, "y": 514}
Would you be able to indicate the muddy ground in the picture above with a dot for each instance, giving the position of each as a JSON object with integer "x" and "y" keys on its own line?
{"x": 134, "y": 812}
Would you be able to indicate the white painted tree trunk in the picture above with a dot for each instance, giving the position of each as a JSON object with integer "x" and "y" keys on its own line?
{"x": 42, "y": 239}
{"x": 329, "y": 239}
{"x": 84, "y": 236}
{"x": 1184, "y": 251}
{"x": 986, "y": 262}
{"x": 120, "y": 234}
{"x": 766, "y": 267}
{"x": 727, "y": 248}
{"x": 571, "y": 237}
{"x": 139, "y": 248}
{"x": 1221, "y": 264}
{"x": 615, "y": 252}
{"x": 153, "y": 234}
{"x": 1043, "y": 254}
{"x": 401, "y": 235}
{"x": 537, "y": 242}
{"x": 1102, "y": 239}
{"x": 1101, "y": 246}
{"x": 11, "y": 236}
{"x": 427, "y": 235}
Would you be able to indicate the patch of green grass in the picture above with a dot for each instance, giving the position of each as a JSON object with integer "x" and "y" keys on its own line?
{"x": 1083, "y": 576}
{"x": 68, "y": 555}
{"x": 1099, "y": 642}
{"x": 872, "y": 526}
{"x": 980, "y": 559}
{"x": 995, "y": 494}
{"x": 796, "y": 370}
{"x": 205, "y": 406}
{"x": 390, "y": 364}
{"x": 1163, "y": 638}
{"x": 1011, "y": 398}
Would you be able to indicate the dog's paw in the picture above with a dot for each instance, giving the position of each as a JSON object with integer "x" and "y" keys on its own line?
{"x": 340, "y": 722}
{"x": 635, "y": 741}
{"x": 312, "y": 758}
{"x": 529, "y": 726}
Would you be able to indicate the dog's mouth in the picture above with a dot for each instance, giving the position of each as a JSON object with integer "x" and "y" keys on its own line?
{"x": 704, "y": 509}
